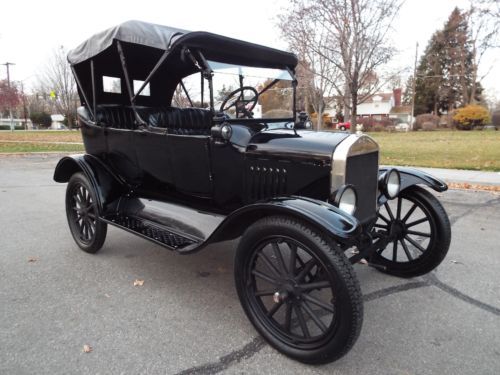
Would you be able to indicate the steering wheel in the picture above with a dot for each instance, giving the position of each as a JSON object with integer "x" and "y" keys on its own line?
{"x": 239, "y": 100}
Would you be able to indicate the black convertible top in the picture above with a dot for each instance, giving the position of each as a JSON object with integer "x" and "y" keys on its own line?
{"x": 164, "y": 38}
{"x": 137, "y": 51}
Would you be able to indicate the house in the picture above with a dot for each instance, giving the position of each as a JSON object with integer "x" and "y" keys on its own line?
{"x": 381, "y": 106}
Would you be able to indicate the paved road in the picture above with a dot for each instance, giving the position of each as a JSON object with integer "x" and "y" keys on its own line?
{"x": 186, "y": 318}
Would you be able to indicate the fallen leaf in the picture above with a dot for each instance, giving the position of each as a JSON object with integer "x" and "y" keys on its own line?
{"x": 87, "y": 348}
{"x": 107, "y": 295}
{"x": 363, "y": 261}
{"x": 222, "y": 270}
{"x": 466, "y": 186}
{"x": 138, "y": 282}
{"x": 32, "y": 259}
{"x": 455, "y": 262}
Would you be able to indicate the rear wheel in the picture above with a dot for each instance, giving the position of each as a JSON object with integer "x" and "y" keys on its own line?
{"x": 420, "y": 231}
{"x": 298, "y": 290}
{"x": 342, "y": 128}
{"x": 87, "y": 230}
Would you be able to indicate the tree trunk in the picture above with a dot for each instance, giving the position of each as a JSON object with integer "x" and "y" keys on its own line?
{"x": 354, "y": 110}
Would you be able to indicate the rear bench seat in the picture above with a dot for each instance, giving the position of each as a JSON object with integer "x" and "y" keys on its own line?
{"x": 182, "y": 121}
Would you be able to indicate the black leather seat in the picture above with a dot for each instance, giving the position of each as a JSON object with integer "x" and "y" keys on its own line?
{"x": 118, "y": 117}
{"x": 181, "y": 121}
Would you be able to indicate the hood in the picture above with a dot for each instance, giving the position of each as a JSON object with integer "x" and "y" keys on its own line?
{"x": 303, "y": 144}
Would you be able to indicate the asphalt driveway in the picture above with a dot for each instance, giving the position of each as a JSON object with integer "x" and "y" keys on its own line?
{"x": 186, "y": 318}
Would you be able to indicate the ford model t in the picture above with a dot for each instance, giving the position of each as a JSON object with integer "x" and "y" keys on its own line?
{"x": 193, "y": 138}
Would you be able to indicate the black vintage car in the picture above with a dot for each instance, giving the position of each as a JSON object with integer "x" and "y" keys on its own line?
{"x": 193, "y": 138}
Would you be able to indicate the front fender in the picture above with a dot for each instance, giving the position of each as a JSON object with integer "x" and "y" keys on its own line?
{"x": 412, "y": 176}
{"x": 108, "y": 187}
{"x": 328, "y": 219}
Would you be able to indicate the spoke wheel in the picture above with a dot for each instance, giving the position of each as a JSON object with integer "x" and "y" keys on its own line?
{"x": 419, "y": 232}
{"x": 299, "y": 291}
{"x": 81, "y": 210}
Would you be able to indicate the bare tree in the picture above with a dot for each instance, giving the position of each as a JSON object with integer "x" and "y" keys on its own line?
{"x": 483, "y": 18}
{"x": 57, "y": 78}
{"x": 319, "y": 78}
{"x": 353, "y": 41}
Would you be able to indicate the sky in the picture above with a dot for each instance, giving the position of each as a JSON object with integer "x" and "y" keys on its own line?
{"x": 31, "y": 29}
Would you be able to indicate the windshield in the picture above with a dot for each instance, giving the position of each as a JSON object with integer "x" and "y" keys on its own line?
{"x": 266, "y": 94}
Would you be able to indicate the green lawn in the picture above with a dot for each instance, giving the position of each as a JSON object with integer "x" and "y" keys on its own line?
{"x": 38, "y": 147}
{"x": 476, "y": 150}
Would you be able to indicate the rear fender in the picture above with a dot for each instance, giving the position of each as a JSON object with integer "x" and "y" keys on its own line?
{"x": 109, "y": 187}
{"x": 326, "y": 218}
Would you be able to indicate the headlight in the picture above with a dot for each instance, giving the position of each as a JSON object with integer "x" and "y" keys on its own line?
{"x": 346, "y": 199}
{"x": 390, "y": 183}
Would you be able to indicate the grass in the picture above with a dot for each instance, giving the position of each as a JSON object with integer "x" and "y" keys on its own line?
{"x": 38, "y": 147}
{"x": 476, "y": 150}
{"x": 40, "y": 141}
{"x": 41, "y": 135}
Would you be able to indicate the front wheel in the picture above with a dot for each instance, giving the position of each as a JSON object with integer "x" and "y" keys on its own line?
{"x": 342, "y": 128}
{"x": 298, "y": 290}
{"x": 88, "y": 231}
{"x": 420, "y": 232}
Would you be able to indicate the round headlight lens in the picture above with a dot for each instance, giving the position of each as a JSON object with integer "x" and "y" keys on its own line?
{"x": 393, "y": 184}
{"x": 346, "y": 199}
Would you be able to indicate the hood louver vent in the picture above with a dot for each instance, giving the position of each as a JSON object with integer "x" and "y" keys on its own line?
{"x": 264, "y": 182}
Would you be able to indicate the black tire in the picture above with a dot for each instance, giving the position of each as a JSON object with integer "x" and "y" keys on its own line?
{"x": 324, "y": 280}
{"x": 418, "y": 248}
{"x": 88, "y": 231}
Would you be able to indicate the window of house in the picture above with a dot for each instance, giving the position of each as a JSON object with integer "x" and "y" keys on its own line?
{"x": 112, "y": 85}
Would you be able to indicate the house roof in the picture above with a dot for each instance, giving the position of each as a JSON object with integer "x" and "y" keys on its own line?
{"x": 401, "y": 109}
{"x": 384, "y": 97}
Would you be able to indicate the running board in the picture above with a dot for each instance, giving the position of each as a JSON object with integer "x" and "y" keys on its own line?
{"x": 152, "y": 231}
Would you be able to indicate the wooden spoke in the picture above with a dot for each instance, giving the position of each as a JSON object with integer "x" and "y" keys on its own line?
{"x": 308, "y": 266}
{"x": 274, "y": 309}
{"x": 384, "y": 218}
{"x": 288, "y": 317}
{"x": 269, "y": 264}
{"x": 395, "y": 251}
{"x": 302, "y": 322}
{"x": 407, "y": 251}
{"x": 398, "y": 212}
{"x": 279, "y": 257}
{"x": 419, "y": 221}
{"x": 263, "y": 293}
{"x": 389, "y": 211}
{"x": 318, "y": 302}
{"x": 415, "y": 243}
{"x": 408, "y": 214}
{"x": 314, "y": 317}
{"x": 265, "y": 277}
{"x": 316, "y": 285}
{"x": 415, "y": 233}
{"x": 293, "y": 259}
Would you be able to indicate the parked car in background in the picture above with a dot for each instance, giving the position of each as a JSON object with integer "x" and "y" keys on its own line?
{"x": 402, "y": 127}
{"x": 343, "y": 125}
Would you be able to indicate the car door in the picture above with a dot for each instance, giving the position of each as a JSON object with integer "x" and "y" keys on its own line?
{"x": 190, "y": 157}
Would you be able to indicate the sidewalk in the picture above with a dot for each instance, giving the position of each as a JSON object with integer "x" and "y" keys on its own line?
{"x": 464, "y": 176}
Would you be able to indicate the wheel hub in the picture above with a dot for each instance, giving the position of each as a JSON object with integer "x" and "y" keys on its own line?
{"x": 289, "y": 290}
{"x": 397, "y": 230}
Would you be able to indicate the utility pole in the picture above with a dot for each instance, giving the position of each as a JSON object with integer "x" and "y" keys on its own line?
{"x": 413, "y": 84}
{"x": 7, "y": 64}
